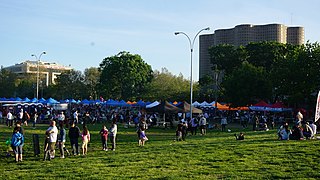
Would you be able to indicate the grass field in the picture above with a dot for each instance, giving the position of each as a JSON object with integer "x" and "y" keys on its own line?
{"x": 214, "y": 156}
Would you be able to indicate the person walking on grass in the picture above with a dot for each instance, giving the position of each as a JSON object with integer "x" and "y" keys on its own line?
{"x": 52, "y": 132}
{"x": 142, "y": 137}
{"x": 74, "y": 134}
{"x": 76, "y": 117}
{"x": 194, "y": 126}
{"x": 104, "y": 137}
{"x": 26, "y": 118}
{"x": 203, "y": 125}
{"x": 10, "y": 118}
{"x": 17, "y": 142}
{"x": 113, "y": 134}
{"x": 62, "y": 140}
{"x": 85, "y": 140}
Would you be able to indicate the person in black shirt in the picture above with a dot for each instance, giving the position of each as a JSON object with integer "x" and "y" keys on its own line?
{"x": 74, "y": 134}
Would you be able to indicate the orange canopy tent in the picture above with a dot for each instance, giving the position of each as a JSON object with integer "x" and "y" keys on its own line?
{"x": 226, "y": 107}
{"x": 221, "y": 107}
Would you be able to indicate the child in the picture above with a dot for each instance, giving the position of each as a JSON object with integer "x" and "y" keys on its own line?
{"x": 104, "y": 137}
{"x": 143, "y": 137}
{"x": 85, "y": 140}
{"x": 17, "y": 142}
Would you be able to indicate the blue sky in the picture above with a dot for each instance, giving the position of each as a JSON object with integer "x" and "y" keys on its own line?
{"x": 82, "y": 33}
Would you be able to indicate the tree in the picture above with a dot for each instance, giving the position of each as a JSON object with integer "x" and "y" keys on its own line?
{"x": 265, "y": 54}
{"x": 70, "y": 85}
{"x": 166, "y": 86}
{"x": 227, "y": 57}
{"x": 296, "y": 77}
{"x": 7, "y": 83}
{"x": 124, "y": 76}
{"x": 91, "y": 80}
{"x": 206, "y": 84}
{"x": 26, "y": 88}
{"x": 246, "y": 85}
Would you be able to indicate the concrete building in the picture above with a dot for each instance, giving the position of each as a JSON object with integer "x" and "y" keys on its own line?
{"x": 244, "y": 34}
{"x": 48, "y": 72}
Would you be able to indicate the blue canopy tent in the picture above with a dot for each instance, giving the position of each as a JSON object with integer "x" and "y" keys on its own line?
{"x": 141, "y": 103}
{"x": 42, "y": 100}
{"x": 64, "y": 101}
{"x": 25, "y": 99}
{"x": 51, "y": 101}
{"x": 122, "y": 103}
{"x": 112, "y": 102}
{"x": 34, "y": 100}
{"x": 85, "y": 101}
{"x": 73, "y": 101}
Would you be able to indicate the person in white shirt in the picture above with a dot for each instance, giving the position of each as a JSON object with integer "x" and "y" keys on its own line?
{"x": 113, "y": 133}
{"x": 20, "y": 115}
{"x": 75, "y": 117}
{"x": 52, "y": 133}
{"x": 61, "y": 117}
{"x": 9, "y": 119}
{"x": 203, "y": 125}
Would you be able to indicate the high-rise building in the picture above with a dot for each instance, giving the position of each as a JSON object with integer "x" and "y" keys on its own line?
{"x": 48, "y": 72}
{"x": 244, "y": 34}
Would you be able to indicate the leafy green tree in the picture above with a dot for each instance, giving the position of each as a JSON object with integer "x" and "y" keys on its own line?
{"x": 206, "y": 92}
{"x": 296, "y": 77}
{"x": 7, "y": 83}
{"x": 91, "y": 80}
{"x": 265, "y": 54}
{"x": 227, "y": 57}
{"x": 166, "y": 86}
{"x": 70, "y": 85}
{"x": 26, "y": 88}
{"x": 124, "y": 76}
{"x": 292, "y": 70}
{"x": 246, "y": 85}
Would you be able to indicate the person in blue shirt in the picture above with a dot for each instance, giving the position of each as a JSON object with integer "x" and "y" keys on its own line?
{"x": 17, "y": 142}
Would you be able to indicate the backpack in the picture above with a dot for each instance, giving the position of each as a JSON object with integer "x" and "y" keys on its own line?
{"x": 17, "y": 139}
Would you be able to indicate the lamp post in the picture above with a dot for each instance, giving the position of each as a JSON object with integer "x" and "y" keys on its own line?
{"x": 38, "y": 61}
{"x": 191, "y": 43}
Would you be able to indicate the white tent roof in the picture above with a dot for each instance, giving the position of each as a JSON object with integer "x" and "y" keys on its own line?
{"x": 204, "y": 104}
{"x": 156, "y": 103}
{"x": 196, "y": 103}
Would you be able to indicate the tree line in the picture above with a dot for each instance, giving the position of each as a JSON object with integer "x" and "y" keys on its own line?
{"x": 123, "y": 76}
{"x": 268, "y": 71}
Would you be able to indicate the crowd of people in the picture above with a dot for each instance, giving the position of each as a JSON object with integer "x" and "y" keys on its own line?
{"x": 65, "y": 125}
{"x": 301, "y": 130}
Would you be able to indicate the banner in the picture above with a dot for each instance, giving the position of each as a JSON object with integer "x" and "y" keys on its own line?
{"x": 317, "y": 114}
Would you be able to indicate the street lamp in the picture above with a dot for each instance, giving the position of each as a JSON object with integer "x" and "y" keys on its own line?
{"x": 191, "y": 51}
{"x": 38, "y": 61}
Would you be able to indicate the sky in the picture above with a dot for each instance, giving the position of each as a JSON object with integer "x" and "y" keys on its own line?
{"x": 81, "y": 33}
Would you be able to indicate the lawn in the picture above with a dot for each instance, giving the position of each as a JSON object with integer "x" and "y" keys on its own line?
{"x": 216, "y": 155}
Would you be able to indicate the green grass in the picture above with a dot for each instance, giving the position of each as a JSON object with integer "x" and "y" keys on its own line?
{"x": 214, "y": 156}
